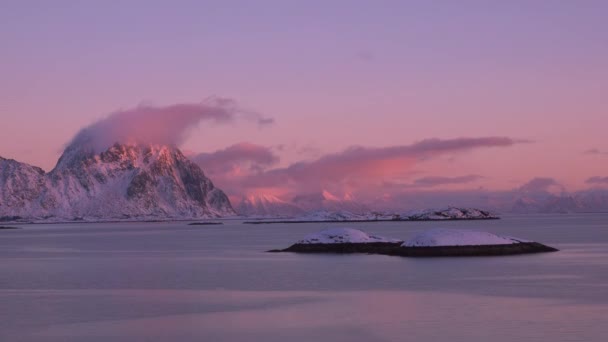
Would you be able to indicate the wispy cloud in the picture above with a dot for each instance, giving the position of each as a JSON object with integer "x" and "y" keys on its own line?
{"x": 597, "y": 180}
{"x": 360, "y": 167}
{"x": 595, "y": 151}
{"x": 427, "y": 182}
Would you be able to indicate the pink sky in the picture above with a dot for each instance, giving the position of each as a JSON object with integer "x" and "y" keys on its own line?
{"x": 331, "y": 75}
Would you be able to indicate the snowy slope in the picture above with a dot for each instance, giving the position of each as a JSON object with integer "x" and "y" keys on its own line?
{"x": 457, "y": 237}
{"x": 343, "y": 235}
{"x": 21, "y": 185}
{"x": 127, "y": 181}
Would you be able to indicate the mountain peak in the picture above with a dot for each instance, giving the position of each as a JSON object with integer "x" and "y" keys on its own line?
{"x": 125, "y": 181}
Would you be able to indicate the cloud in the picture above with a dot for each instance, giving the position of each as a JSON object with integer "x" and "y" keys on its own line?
{"x": 595, "y": 151}
{"x": 235, "y": 157}
{"x": 365, "y": 161}
{"x": 365, "y": 55}
{"x": 229, "y": 167}
{"x": 597, "y": 180}
{"x": 360, "y": 167}
{"x": 435, "y": 181}
{"x": 265, "y": 121}
{"x": 541, "y": 184}
{"x": 167, "y": 125}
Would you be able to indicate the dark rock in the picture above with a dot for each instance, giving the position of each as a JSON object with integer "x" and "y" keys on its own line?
{"x": 10, "y": 218}
{"x": 344, "y": 248}
{"x": 395, "y": 249}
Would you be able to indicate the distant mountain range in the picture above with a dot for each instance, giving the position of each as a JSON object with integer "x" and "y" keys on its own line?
{"x": 594, "y": 200}
{"x": 327, "y": 205}
{"x": 265, "y": 205}
{"x": 126, "y": 181}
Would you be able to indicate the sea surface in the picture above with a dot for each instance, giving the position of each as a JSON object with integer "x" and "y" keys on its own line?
{"x": 175, "y": 282}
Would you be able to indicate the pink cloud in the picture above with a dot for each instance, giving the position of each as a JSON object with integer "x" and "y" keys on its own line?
{"x": 437, "y": 180}
{"x": 167, "y": 125}
{"x": 356, "y": 168}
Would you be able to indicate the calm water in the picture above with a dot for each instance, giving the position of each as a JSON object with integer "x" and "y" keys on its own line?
{"x": 174, "y": 282}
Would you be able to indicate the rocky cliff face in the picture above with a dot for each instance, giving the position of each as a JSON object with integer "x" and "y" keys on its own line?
{"x": 126, "y": 181}
{"x": 21, "y": 186}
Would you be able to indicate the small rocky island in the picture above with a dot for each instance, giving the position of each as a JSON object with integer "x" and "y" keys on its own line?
{"x": 431, "y": 243}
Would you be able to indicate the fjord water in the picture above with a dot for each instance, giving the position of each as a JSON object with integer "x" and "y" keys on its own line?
{"x": 175, "y": 282}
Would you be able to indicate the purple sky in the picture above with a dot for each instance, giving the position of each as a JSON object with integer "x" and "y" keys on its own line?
{"x": 332, "y": 74}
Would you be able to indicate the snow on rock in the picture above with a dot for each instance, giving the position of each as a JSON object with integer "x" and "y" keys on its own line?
{"x": 458, "y": 237}
{"x": 343, "y": 235}
{"x": 451, "y": 213}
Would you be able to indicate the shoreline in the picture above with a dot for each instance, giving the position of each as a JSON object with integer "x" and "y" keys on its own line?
{"x": 368, "y": 221}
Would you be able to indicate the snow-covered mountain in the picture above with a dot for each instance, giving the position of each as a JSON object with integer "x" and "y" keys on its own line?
{"x": 265, "y": 205}
{"x": 126, "y": 181}
{"x": 315, "y": 205}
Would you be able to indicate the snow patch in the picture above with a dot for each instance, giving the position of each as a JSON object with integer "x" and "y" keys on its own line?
{"x": 343, "y": 235}
{"x": 458, "y": 237}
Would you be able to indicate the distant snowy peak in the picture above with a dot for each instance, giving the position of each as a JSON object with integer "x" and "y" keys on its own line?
{"x": 266, "y": 205}
{"x": 316, "y": 205}
{"x": 126, "y": 181}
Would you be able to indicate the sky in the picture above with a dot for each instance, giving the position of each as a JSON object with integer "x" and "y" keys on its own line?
{"x": 359, "y": 96}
